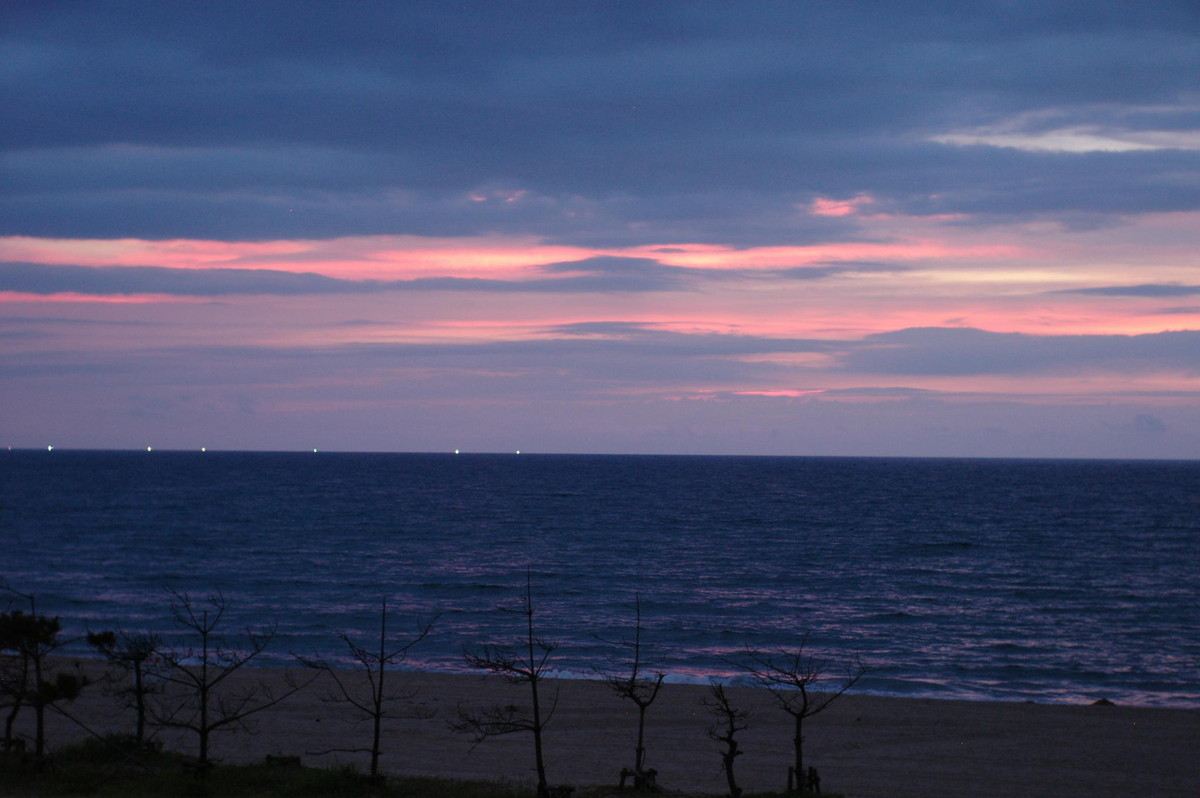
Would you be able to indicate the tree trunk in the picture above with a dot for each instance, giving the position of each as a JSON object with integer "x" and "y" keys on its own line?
{"x": 378, "y": 719}
{"x": 640, "y": 759}
{"x": 39, "y": 733}
{"x": 204, "y": 695}
{"x": 798, "y": 742}
{"x": 18, "y": 702}
{"x": 728, "y": 758}
{"x": 139, "y": 697}
{"x": 543, "y": 789}
{"x": 8, "y": 724}
{"x": 39, "y": 708}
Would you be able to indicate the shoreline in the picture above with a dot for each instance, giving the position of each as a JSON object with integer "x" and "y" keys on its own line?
{"x": 864, "y": 746}
{"x": 1118, "y": 696}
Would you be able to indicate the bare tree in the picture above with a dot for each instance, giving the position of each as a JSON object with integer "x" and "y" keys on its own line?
{"x": 26, "y": 641}
{"x": 196, "y": 697}
{"x": 526, "y": 666}
{"x": 133, "y": 654}
{"x": 374, "y": 664}
{"x": 790, "y": 675}
{"x": 724, "y": 730}
{"x": 633, "y": 683}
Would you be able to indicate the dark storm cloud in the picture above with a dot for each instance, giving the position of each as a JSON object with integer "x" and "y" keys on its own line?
{"x": 965, "y": 352}
{"x": 602, "y": 274}
{"x": 604, "y": 328}
{"x": 914, "y": 352}
{"x": 611, "y": 273}
{"x": 611, "y": 346}
{"x": 593, "y": 362}
{"x": 1145, "y": 290}
{"x": 625, "y": 338}
{"x": 821, "y": 271}
{"x": 625, "y": 123}
{"x": 590, "y": 359}
{"x": 54, "y": 322}
{"x": 34, "y": 278}
{"x": 492, "y": 369}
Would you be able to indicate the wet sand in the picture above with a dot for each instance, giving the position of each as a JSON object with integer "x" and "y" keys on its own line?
{"x": 862, "y": 746}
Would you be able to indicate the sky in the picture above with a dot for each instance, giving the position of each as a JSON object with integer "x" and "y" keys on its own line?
{"x": 804, "y": 228}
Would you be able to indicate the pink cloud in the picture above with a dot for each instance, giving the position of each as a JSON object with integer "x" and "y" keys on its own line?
{"x": 1000, "y": 279}
{"x": 92, "y": 299}
{"x": 830, "y": 207}
{"x": 404, "y": 257}
{"x": 781, "y": 392}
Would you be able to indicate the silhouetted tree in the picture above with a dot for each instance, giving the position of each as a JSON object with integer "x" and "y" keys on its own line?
{"x": 528, "y": 665}
{"x": 790, "y": 676}
{"x": 133, "y": 654}
{"x": 196, "y": 697}
{"x": 729, "y": 722}
{"x": 374, "y": 664}
{"x": 26, "y": 641}
{"x": 634, "y": 684}
{"x": 15, "y": 672}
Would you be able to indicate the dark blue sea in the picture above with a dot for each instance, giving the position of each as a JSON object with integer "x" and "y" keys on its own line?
{"x": 1051, "y": 581}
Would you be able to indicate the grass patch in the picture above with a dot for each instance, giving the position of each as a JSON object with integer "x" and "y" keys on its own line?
{"x": 118, "y": 768}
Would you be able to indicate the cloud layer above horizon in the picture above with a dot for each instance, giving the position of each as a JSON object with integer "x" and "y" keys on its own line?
{"x": 783, "y": 228}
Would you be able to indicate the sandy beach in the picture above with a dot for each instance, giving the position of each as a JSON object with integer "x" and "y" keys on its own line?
{"x": 863, "y": 746}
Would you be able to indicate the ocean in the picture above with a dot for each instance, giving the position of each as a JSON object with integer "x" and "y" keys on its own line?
{"x": 1051, "y": 580}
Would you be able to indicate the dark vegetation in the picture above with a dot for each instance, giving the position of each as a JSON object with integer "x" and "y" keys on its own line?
{"x": 102, "y": 768}
{"x": 133, "y": 654}
{"x": 527, "y": 664}
{"x": 120, "y": 767}
{"x": 195, "y": 696}
{"x": 791, "y": 676}
{"x": 729, "y": 721}
{"x": 26, "y": 677}
{"x": 190, "y": 689}
{"x": 378, "y": 702}
{"x": 629, "y": 680}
